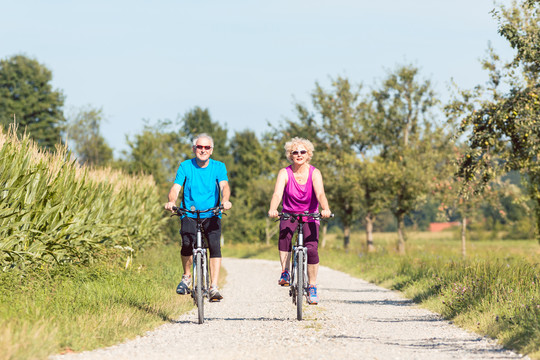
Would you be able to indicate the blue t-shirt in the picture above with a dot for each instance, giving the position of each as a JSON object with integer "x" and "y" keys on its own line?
{"x": 201, "y": 188}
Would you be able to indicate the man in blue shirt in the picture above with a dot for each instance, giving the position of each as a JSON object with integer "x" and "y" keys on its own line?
{"x": 202, "y": 179}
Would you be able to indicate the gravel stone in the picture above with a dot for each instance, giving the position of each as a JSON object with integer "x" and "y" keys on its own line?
{"x": 257, "y": 320}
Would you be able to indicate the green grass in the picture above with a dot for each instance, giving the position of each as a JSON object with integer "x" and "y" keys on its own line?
{"x": 494, "y": 291}
{"x": 69, "y": 308}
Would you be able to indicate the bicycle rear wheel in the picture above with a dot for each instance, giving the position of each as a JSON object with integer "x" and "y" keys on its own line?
{"x": 299, "y": 284}
{"x": 199, "y": 288}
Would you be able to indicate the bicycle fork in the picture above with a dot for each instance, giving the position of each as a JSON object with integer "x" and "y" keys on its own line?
{"x": 298, "y": 289}
{"x": 204, "y": 269}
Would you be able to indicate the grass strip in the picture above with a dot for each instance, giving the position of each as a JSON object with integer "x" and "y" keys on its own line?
{"x": 71, "y": 308}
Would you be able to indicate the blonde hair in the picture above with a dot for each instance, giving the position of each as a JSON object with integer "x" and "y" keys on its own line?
{"x": 294, "y": 142}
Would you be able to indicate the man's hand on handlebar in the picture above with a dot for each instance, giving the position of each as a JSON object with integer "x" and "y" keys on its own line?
{"x": 169, "y": 206}
{"x": 226, "y": 205}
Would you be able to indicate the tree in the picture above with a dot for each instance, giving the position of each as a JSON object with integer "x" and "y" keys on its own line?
{"x": 198, "y": 121}
{"x": 27, "y": 97}
{"x": 340, "y": 135}
{"x": 501, "y": 120}
{"x": 345, "y": 114}
{"x": 84, "y": 130}
{"x": 408, "y": 136}
{"x": 375, "y": 182}
{"x": 250, "y": 177}
{"x": 158, "y": 150}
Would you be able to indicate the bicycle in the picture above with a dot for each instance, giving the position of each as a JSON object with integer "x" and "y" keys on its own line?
{"x": 200, "y": 285}
{"x": 298, "y": 287}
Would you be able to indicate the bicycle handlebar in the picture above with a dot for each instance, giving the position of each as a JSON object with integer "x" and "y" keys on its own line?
{"x": 181, "y": 211}
{"x": 296, "y": 216}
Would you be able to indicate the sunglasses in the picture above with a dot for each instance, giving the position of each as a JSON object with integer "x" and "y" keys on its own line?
{"x": 205, "y": 147}
{"x": 296, "y": 152}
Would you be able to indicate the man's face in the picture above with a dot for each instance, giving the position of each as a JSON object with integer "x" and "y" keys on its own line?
{"x": 203, "y": 149}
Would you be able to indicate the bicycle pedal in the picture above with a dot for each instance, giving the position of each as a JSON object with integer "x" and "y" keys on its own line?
{"x": 215, "y": 300}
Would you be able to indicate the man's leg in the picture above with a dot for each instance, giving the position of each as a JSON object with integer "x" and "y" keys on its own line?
{"x": 187, "y": 233}
{"x": 215, "y": 265}
{"x": 187, "y": 264}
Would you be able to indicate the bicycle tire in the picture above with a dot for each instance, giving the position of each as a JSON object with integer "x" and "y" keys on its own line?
{"x": 299, "y": 284}
{"x": 199, "y": 288}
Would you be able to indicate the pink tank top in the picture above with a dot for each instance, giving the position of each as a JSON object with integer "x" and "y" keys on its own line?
{"x": 299, "y": 198}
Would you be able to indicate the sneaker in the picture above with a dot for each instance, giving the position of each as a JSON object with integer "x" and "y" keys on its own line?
{"x": 183, "y": 287}
{"x": 215, "y": 296}
{"x": 312, "y": 297}
{"x": 285, "y": 278}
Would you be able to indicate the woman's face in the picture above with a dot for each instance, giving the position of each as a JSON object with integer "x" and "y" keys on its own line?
{"x": 299, "y": 154}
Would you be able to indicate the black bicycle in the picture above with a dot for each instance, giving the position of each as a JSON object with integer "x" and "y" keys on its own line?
{"x": 299, "y": 279}
{"x": 200, "y": 284}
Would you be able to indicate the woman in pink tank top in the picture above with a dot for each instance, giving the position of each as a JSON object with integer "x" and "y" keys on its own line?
{"x": 301, "y": 188}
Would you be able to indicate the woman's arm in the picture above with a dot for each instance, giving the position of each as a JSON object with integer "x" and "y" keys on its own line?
{"x": 318, "y": 187}
{"x": 281, "y": 181}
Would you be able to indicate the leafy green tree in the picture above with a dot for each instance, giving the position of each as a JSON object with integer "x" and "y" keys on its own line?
{"x": 345, "y": 114}
{"x": 84, "y": 132}
{"x": 250, "y": 176}
{"x": 408, "y": 136}
{"x": 198, "y": 121}
{"x": 375, "y": 182}
{"x": 250, "y": 159}
{"x": 158, "y": 150}
{"x": 27, "y": 97}
{"x": 501, "y": 119}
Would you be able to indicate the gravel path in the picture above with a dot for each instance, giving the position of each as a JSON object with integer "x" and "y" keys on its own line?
{"x": 257, "y": 320}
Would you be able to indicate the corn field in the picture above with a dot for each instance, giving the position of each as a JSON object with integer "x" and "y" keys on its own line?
{"x": 52, "y": 210}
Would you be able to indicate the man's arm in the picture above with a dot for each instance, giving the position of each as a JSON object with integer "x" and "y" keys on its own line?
{"x": 173, "y": 196}
{"x": 225, "y": 194}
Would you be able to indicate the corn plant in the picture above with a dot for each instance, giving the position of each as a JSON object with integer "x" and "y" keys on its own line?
{"x": 52, "y": 210}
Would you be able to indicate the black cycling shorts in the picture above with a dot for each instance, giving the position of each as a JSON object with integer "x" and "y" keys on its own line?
{"x": 211, "y": 235}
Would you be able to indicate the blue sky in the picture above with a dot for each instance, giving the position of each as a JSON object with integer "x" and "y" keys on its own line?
{"x": 246, "y": 61}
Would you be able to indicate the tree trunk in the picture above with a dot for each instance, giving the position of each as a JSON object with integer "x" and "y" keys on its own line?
{"x": 401, "y": 235}
{"x": 463, "y": 238}
{"x": 369, "y": 233}
{"x": 346, "y": 236}
{"x": 323, "y": 235}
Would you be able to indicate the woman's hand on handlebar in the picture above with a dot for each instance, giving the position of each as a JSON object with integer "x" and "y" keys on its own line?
{"x": 326, "y": 213}
{"x": 273, "y": 213}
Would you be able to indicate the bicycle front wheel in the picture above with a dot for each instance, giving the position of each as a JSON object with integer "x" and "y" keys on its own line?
{"x": 199, "y": 288}
{"x": 299, "y": 284}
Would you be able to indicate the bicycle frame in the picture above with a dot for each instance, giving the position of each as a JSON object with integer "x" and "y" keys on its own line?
{"x": 200, "y": 285}
{"x": 299, "y": 279}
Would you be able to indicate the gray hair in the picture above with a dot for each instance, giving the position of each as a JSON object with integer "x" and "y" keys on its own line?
{"x": 203, "y": 135}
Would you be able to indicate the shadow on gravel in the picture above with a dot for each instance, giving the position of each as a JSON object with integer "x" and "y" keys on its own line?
{"x": 149, "y": 309}
{"x": 409, "y": 319}
{"x": 247, "y": 319}
{"x": 353, "y": 290}
{"x": 373, "y": 302}
{"x": 437, "y": 344}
